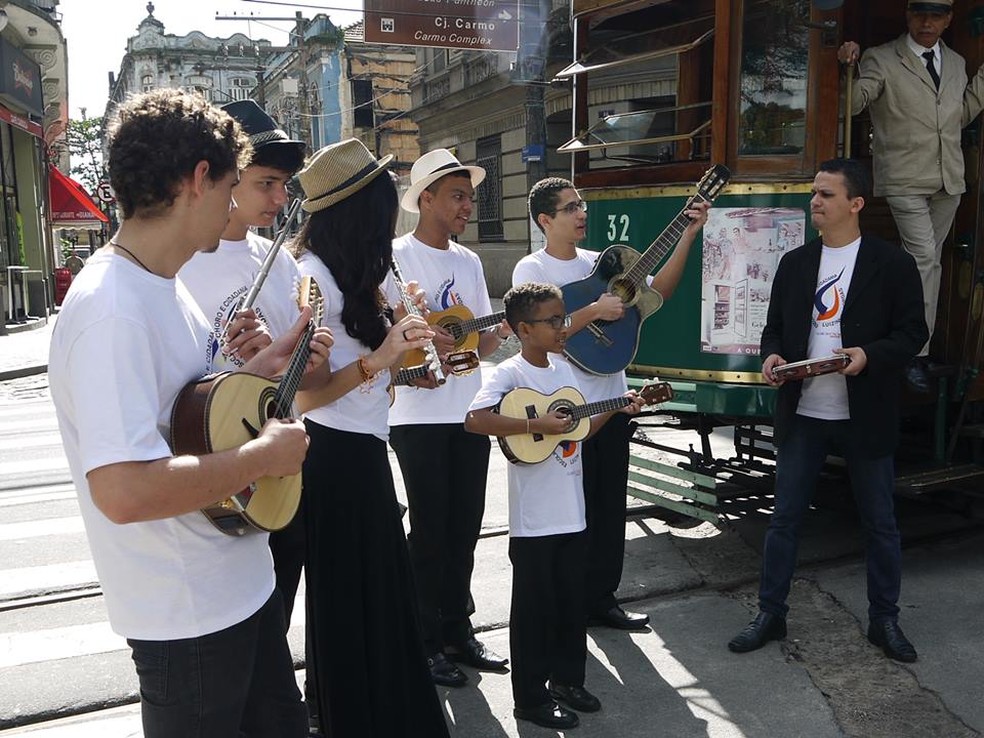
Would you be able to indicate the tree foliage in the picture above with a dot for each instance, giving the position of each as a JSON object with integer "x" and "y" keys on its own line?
{"x": 85, "y": 147}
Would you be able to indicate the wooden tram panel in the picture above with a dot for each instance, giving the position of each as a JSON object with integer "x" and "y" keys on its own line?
{"x": 649, "y": 194}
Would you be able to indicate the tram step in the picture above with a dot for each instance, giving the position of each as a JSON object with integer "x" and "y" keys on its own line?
{"x": 933, "y": 479}
{"x": 972, "y": 431}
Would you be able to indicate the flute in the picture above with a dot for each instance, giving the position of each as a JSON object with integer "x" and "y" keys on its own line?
{"x": 430, "y": 351}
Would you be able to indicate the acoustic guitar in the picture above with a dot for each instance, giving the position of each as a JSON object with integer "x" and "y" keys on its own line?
{"x": 523, "y": 403}
{"x": 223, "y": 411}
{"x": 463, "y": 326}
{"x": 606, "y": 346}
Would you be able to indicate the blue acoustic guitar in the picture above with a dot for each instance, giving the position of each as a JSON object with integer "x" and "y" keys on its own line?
{"x": 607, "y": 346}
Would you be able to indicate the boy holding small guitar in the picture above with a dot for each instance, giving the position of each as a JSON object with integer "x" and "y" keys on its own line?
{"x": 558, "y": 210}
{"x": 198, "y": 607}
{"x": 444, "y": 468}
{"x": 547, "y": 540}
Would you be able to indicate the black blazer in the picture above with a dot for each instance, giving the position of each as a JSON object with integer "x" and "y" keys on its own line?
{"x": 883, "y": 314}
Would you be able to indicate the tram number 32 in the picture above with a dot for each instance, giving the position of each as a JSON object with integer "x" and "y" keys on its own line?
{"x": 618, "y": 228}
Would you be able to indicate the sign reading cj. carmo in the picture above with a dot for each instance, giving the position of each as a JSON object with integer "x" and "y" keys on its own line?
{"x": 482, "y": 25}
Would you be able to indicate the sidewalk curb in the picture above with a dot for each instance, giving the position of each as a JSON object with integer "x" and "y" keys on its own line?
{"x": 24, "y": 371}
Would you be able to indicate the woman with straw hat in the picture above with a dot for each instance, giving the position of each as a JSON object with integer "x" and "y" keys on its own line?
{"x": 369, "y": 666}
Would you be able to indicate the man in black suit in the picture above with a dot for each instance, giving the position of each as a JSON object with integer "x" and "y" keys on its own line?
{"x": 860, "y": 297}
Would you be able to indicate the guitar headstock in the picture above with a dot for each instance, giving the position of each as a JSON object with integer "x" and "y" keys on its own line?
{"x": 463, "y": 362}
{"x": 656, "y": 392}
{"x": 713, "y": 182}
{"x": 308, "y": 293}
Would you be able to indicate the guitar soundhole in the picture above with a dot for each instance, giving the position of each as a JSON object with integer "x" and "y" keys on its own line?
{"x": 561, "y": 405}
{"x": 624, "y": 290}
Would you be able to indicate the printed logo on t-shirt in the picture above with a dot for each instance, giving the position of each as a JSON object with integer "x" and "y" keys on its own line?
{"x": 828, "y": 302}
{"x": 568, "y": 457}
{"x": 446, "y": 294}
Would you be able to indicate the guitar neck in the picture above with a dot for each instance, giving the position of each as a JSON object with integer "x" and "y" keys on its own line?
{"x": 291, "y": 381}
{"x": 408, "y": 374}
{"x": 477, "y": 324}
{"x": 663, "y": 244}
{"x": 601, "y": 406}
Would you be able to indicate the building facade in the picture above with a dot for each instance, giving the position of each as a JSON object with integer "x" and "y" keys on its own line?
{"x": 33, "y": 121}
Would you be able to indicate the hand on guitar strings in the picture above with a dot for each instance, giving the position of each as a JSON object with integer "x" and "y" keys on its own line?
{"x": 272, "y": 361}
{"x": 245, "y": 335}
{"x": 608, "y": 307}
{"x": 637, "y": 403}
{"x": 443, "y": 341}
{"x": 698, "y": 216}
{"x": 285, "y": 444}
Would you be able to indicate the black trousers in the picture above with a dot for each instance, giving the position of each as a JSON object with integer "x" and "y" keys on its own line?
{"x": 606, "y": 473}
{"x": 444, "y": 469}
{"x": 232, "y": 683}
{"x": 547, "y": 619}
{"x": 370, "y": 670}
{"x": 287, "y": 546}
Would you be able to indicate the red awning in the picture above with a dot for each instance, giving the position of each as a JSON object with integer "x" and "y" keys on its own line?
{"x": 71, "y": 206}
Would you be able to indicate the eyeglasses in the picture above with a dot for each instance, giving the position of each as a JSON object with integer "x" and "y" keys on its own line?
{"x": 572, "y": 207}
{"x": 555, "y": 321}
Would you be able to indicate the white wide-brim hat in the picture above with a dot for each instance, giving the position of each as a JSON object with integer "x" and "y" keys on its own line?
{"x": 431, "y": 167}
{"x": 337, "y": 171}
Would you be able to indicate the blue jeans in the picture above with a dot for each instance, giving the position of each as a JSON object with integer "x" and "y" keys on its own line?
{"x": 798, "y": 464}
{"x": 236, "y": 682}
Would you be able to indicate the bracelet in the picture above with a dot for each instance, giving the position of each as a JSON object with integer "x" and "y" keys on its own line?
{"x": 499, "y": 335}
{"x": 527, "y": 426}
{"x": 367, "y": 376}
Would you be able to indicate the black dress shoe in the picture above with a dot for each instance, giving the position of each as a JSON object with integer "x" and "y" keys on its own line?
{"x": 445, "y": 673}
{"x": 475, "y": 653}
{"x": 889, "y": 636}
{"x": 764, "y": 628}
{"x": 917, "y": 374}
{"x": 576, "y": 698}
{"x": 619, "y": 619}
{"x": 549, "y": 715}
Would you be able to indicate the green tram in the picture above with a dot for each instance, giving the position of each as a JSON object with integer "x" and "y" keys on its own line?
{"x": 663, "y": 89}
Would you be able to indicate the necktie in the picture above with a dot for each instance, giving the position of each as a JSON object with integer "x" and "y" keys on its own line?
{"x": 929, "y": 56}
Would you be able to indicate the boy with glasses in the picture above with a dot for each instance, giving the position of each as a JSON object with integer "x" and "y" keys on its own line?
{"x": 558, "y": 210}
{"x": 547, "y": 542}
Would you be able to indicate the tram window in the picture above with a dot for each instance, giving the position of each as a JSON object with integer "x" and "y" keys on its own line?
{"x": 773, "y": 80}
{"x": 649, "y": 92}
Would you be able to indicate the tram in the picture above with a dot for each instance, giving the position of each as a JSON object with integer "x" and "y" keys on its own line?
{"x": 663, "y": 89}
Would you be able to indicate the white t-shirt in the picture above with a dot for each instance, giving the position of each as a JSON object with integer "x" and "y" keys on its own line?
{"x": 451, "y": 277}
{"x": 219, "y": 279}
{"x": 126, "y": 343}
{"x": 545, "y": 499}
{"x": 542, "y": 267}
{"x": 825, "y": 397}
{"x": 366, "y": 408}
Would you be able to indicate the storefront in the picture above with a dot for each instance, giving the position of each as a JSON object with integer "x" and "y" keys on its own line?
{"x": 26, "y": 255}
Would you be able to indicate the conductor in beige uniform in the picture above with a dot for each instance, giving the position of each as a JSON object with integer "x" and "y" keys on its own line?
{"x": 917, "y": 92}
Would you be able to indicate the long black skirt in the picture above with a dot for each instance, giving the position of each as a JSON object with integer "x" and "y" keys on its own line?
{"x": 369, "y": 668}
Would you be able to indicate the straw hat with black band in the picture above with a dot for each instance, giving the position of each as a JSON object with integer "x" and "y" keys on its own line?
{"x": 431, "y": 167}
{"x": 337, "y": 171}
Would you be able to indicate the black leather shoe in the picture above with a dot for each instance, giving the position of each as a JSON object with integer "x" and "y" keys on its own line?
{"x": 764, "y": 628}
{"x": 549, "y": 715}
{"x": 445, "y": 673}
{"x": 917, "y": 374}
{"x": 619, "y": 619}
{"x": 889, "y": 637}
{"x": 576, "y": 698}
{"x": 474, "y": 653}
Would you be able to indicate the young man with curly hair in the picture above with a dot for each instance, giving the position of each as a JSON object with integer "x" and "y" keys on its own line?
{"x": 198, "y": 607}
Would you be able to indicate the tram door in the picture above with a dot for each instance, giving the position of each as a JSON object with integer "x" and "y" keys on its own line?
{"x": 955, "y": 339}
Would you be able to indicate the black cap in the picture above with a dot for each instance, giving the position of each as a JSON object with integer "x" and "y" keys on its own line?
{"x": 260, "y": 127}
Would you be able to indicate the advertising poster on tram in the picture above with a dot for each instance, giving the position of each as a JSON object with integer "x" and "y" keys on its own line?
{"x": 480, "y": 25}
{"x": 742, "y": 248}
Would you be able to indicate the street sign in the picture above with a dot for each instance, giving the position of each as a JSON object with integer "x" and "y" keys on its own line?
{"x": 105, "y": 193}
{"x": 480, "y": 25}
